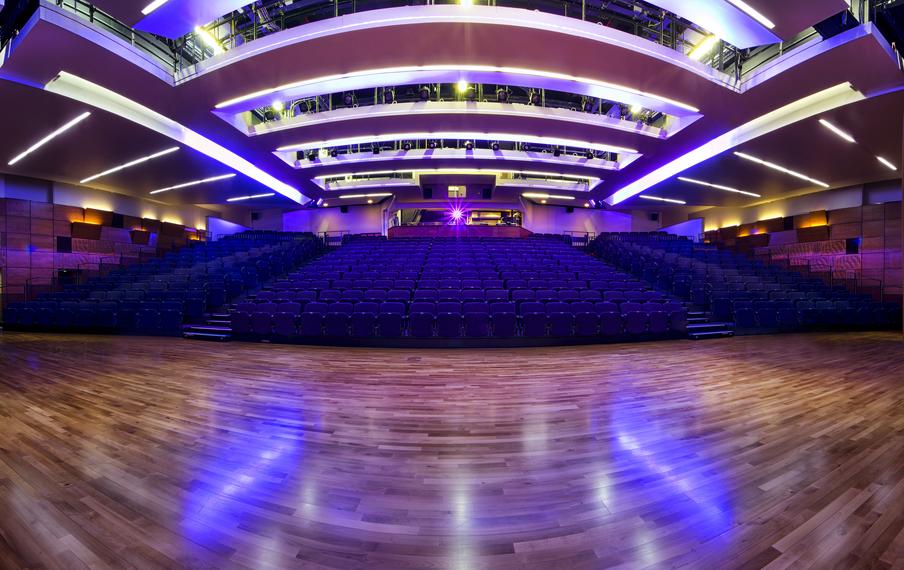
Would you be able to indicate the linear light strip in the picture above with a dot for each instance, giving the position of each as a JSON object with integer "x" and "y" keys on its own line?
{"x": 194, "y": 183}
{"x": 752, "y": 12}
{"x": 658, "y": 199}
{"x": 75, "y": 87}
{"x": 887, "y": 163}
{"x": 819, "y": 102}
{"x": 837, "y": 131}
{"x": 240, "y": 198}
{"x": 153, "y": 6}
{"x": 780, "y": 168}
{"x": 718, "y": 186}
{"x": 464, "y": 69}
{"x": 50, "y": 137}
{"x": 353, "y": 196}
{"x": 546, "y": 196}
{"x": 703, "y": 48}
{"x": 464, "y": 135}
{"x": 130, "y": 164}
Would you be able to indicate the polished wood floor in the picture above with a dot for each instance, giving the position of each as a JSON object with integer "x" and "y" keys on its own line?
{"x": 775, "y": 452}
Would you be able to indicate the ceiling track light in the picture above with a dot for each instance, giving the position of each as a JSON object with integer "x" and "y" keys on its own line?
{"x": 129, "y": 164}
{"x": 837, "y": 131}
{"x": 718, "y": 186}
{"x": 774, "y": 166}
{"x": 50, "y": 137}
{"x": 658, "y": 199}
{"x": 193, "y": 183}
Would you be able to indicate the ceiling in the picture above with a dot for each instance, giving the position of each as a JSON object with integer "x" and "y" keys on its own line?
{"x": 57, "y": 43}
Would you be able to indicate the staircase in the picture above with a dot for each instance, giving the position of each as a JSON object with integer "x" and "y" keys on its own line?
{"x": 700, "y": 326}
{"x": 217, "y": 327}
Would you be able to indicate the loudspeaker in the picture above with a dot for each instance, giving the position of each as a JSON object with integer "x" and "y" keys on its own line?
{"x": 654, "y": 216}
{"x": 118, "y": 221}
{"x": 428, "y": 192}
{"x": 487, "y": 193}
{"x": 343, "y": 209}
{"x": 64, "y": 244}
{"x": 569, "y": 209}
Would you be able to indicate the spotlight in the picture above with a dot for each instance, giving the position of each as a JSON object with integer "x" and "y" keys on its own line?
{"x": 470, "y": 94}
{"x": 495, "y": 146}
{"x": 457, "y": 215}
{"x": 589, "y": 155}
{"x": 278, "y": 106}
{"x": 431, "y": 145}
{"x": 388, "y": 96}
{"x": 557, "y": 152}
{"x": 469, "y": 145}
{"x": 502, "y": 95}
{"x": 424, "y": 93}
{"x": 461, "y": 86}
{"x": 588, "y": 106}
{"x": 348, "y": 99}
{"x": 312, "y": 155}
{"x": 406, "y": 147}
{"x": 334, "y": 153}
{"x": 301, "y": 108}
{"x": 376, "y": 148}
{"x": 325, "y": 204}
{"x": 535, "y": 98}
{"x": 269, "y": 115}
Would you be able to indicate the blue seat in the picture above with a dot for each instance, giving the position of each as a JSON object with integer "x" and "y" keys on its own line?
{"x": 364, "y": 324}
{"x": 336, "y": 323}
{"x": 477, "y": 324}
{"x": 420, "y": 324}
{"x": 448, "y": 324}
{"x": 311, "y": 323}
{"x": 504, "y": 324}
{"x": 534, "y": 323}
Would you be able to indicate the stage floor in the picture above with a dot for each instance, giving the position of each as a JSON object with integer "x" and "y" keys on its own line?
{"x": 121, "y": 452}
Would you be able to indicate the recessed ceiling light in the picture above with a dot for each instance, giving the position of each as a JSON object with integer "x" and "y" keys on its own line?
{"x": 50, "y": 137}
{"x": 774, "y": 166}
{"x": 153, "y": 6}
{"x": 194, "y": 183}
{"x": 887, "y": 163}
{"x": 704, "y": 47}
{"x": 718, "y": 186}
{"x": 130, "y": 164}
{"x": 546, "y": 196}
{"x": 836, "y": 130}
{"x": 240, "y": 198}
{"x": 753, "y": 13}
{"x": 658, "y": 199}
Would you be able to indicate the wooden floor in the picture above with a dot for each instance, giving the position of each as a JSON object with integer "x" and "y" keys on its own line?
{"x": 775, "y": 451}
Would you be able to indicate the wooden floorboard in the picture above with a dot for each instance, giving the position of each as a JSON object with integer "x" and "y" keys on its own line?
{"x": 752, "y": 452}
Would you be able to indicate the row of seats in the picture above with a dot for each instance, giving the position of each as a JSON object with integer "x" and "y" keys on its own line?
{"x": 489, "y": 295}
{"x": 455, "y": 324}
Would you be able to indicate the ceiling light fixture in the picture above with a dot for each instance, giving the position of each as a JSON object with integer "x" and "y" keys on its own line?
{"x": 153, "y": 6}
{"x": 669, "y": 200}
{"x": 886, "y": 163}
{"x": 194, "y": 183}
{"x": 752, "y": 12}
{"x": 837, "y": 131}
{"x": 208, "y": 39}
{"x": 50, "y": 137}
{"x": 353, "y": 196}
{"x": 703, "y": 48}
{"x": 718, "y": 186}
{"x": 135, "y": 162}
{"x": 546, "y": 196}
{"x": 774, "y": 166}
{"x": 240, "y": 198}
